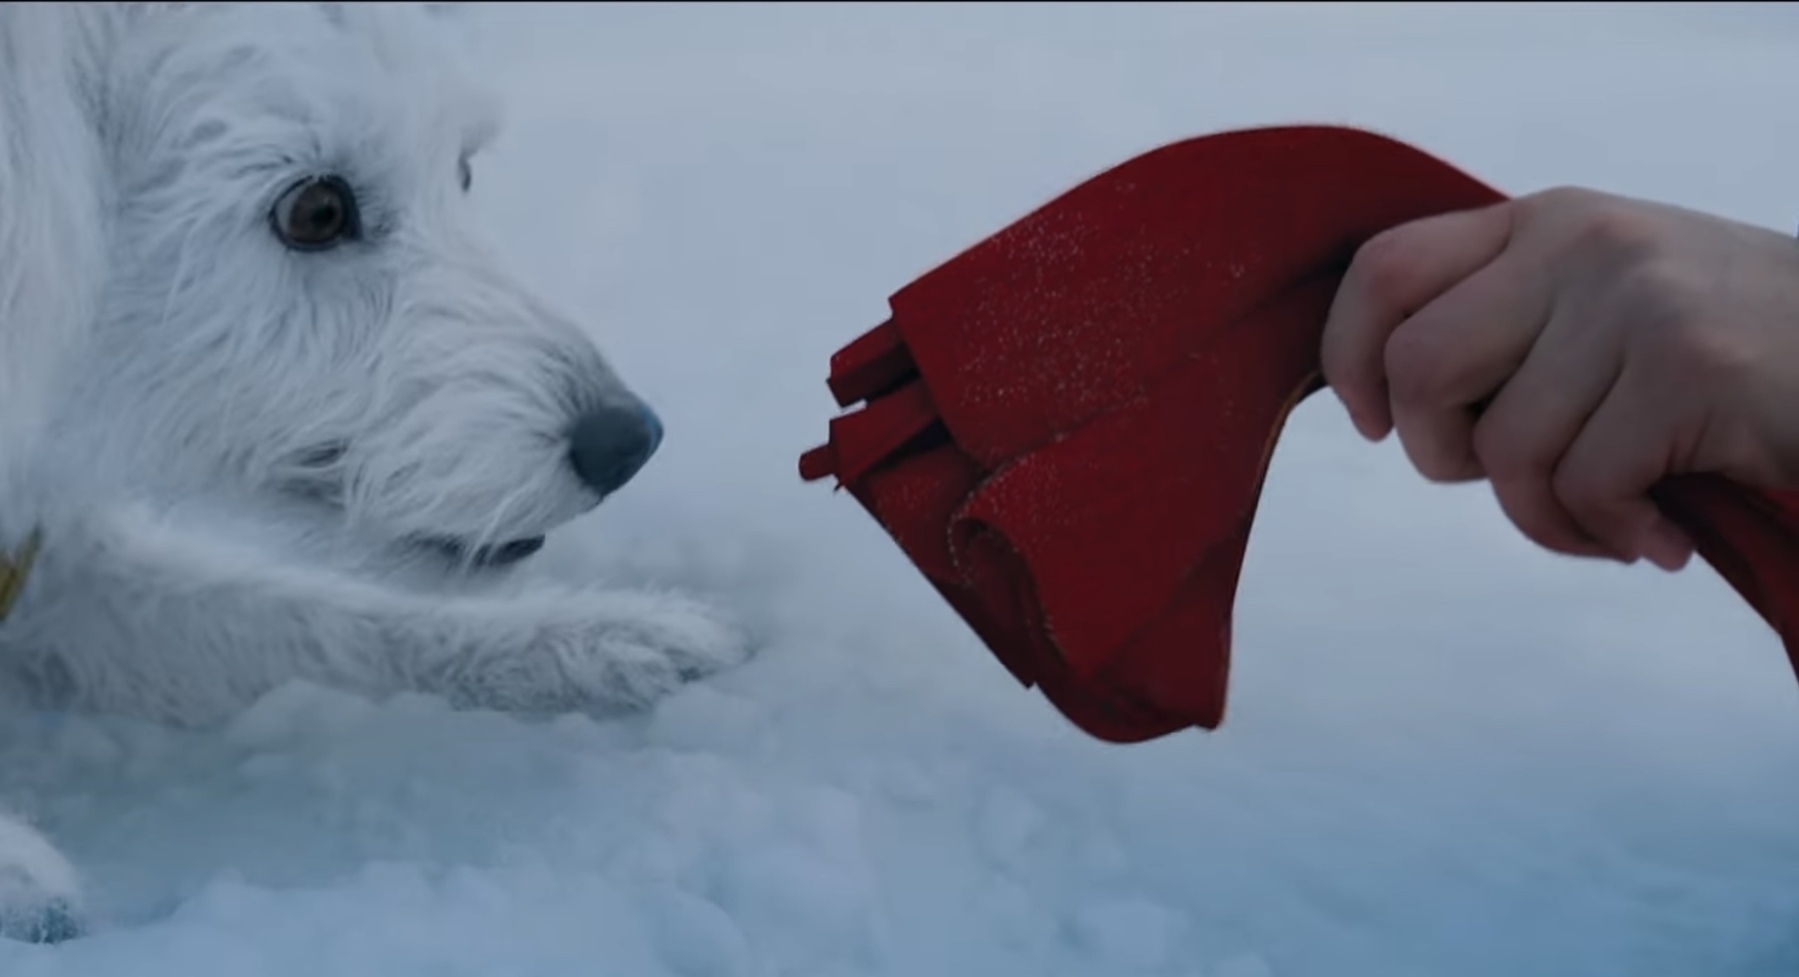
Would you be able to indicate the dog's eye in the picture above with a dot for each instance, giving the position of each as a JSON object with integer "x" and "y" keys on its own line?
{"x": 465, "y": 175}
{"x": 316, "y": 213}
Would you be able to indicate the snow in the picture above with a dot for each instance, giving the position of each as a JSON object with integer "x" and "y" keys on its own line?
{"x": 1447, "y": 752}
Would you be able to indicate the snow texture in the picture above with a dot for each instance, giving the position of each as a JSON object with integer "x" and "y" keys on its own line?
{"x": 1448, "y": 753}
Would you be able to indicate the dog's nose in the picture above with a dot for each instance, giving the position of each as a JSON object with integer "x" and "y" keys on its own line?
{"x": 610, "y": 445}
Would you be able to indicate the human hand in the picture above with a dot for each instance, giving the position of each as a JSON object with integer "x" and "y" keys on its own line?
{"x": 1573, "y": 348}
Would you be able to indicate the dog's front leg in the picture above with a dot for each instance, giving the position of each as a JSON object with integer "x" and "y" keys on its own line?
{"x": 40, "y": 896}
{"x": 135, "y": 615}
{"x": 588, "y": 650}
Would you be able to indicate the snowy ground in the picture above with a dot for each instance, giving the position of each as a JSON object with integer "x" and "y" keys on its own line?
{"x": 1448, "y": 754}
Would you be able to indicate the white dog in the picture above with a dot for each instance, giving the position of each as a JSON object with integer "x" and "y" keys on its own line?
{"x": 268, "y": 400}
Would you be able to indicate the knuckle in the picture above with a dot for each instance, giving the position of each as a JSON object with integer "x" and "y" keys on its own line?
{"x": 1562, "y": 199}
{"x": 1438, "y": 451}
{"x": 1617, "y": 235}
{"x": 1659, "y": 288}
{"x": 1434, "y": 467}
{"x": 1532, "y": 515}
{"x": 1653, "y": 286}
{"x": 1383, "y": 266}
{"x": 1506, "y": 456}
{"x": 1437, "y": 468}
{"x": 1532, "y": 508}
{"x": 1415, "y": 370}
{"x": 1580, "y": 492}
{"x": 1599, "y": 226}
{"x": 1710, "y": 359}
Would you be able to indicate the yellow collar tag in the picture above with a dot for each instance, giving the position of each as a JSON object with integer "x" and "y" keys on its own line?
{"x": 14, "y": 570}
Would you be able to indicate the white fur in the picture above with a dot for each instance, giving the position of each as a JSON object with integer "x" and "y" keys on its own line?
{"x": 51, "y": 200}
{"x": 229, "y": 444}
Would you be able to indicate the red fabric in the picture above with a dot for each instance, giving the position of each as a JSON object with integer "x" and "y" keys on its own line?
{"x": 1067, "y": 426}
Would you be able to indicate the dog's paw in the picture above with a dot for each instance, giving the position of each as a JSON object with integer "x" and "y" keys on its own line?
{"x": 40, "y": 895}
{"x": 609, "y": 652}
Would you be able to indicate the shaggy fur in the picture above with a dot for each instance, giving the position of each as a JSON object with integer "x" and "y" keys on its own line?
{"x": 234, "y": 447}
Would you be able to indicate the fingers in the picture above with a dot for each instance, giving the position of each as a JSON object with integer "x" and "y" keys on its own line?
{"x": 1393, "y": 275}
{"x": 1603, "y": 480}
{"x": 1454, "y": 354}
{"x": 1536, "y": 416}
